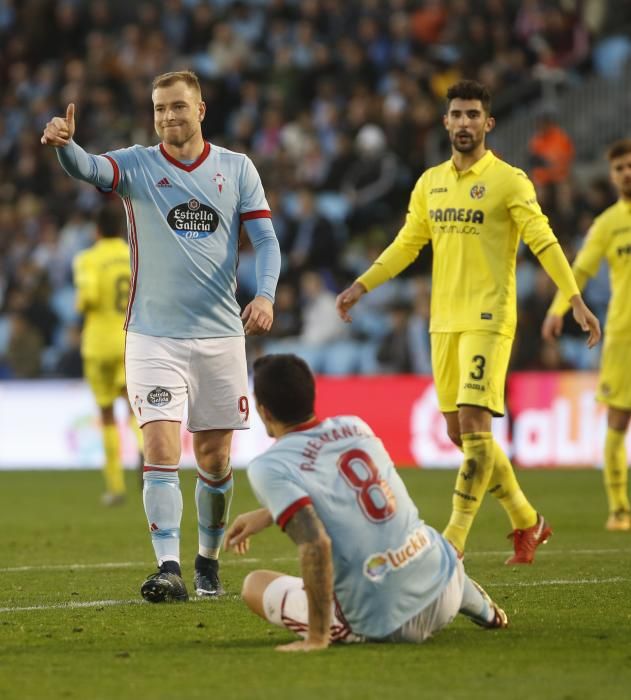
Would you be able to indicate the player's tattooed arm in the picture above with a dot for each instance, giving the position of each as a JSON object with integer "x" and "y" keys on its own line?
{"x": 316, "y": 564}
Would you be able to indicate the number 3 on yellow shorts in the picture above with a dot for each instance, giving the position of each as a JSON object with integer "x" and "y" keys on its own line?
{"x": 470, "y": 369}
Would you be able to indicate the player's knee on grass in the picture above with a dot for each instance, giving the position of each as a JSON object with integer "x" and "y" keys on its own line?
{"x": 254, "y": 585}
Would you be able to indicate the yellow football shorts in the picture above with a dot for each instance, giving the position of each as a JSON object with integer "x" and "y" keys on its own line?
{"x": 614, "y": 385}
{"x": 470, "y": 369}
{"x": 106, "y": 379}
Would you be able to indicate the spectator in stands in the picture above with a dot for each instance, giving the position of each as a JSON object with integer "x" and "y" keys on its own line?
{"x": 314, "y": 244}
{"x": 287, "y": 312}
{"x": 551, "y": 151}
{"x": 394, "y": 352}
{"x": 294, "y": 83}
{"x": 370, "y": 184}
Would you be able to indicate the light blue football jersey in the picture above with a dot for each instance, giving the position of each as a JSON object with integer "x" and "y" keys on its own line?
{"x": 388, "y": 564}
{"x": 184, "y": 223}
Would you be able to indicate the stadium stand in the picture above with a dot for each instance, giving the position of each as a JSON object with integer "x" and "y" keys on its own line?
{"x": 339, "y": 106}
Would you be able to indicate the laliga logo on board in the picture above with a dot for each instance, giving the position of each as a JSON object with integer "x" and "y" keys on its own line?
{"x": 477, "y": 191}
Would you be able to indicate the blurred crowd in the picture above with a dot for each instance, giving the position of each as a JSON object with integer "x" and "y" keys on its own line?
{"x": 334, "y": 101}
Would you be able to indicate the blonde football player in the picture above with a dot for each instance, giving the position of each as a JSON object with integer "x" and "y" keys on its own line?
{"x": 474, "y": 208}
{"x": 101, "y": 276}
{"x": 610, "y": 238}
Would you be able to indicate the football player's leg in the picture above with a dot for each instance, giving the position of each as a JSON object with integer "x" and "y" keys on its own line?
{"x": 505, "y": 487}
{"x": 281, "y": 600}
{"x": 253, "y": 591}
{"x": 213, "y": 496}
{"x": 214, "y": 488}
{"x": 483, "y": 361}
{"x": 218, "y": 404}
{"x": 473, "y": 475}
{"x": 156, "y": 386}
{"x": 100, "y": 376}
{"x": 113, "y": 468}
{"x": 614, "y": 390}
{"x": 479, "y": 608}
{"x": 615, "y": 471}
{"x": 446, "y": 371}
{"x": 162, "y": 497}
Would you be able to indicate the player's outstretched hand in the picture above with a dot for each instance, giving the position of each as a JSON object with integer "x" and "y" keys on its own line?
{"x": 347, "y": 299}
{"x": 244, "y": 526}
{"x": 586, "y": 320}
{"x": 258, "y": 316}
{"x": 304, "y": 645}
{"x": 59, "y": 130}
{"x": 551, "y": 327}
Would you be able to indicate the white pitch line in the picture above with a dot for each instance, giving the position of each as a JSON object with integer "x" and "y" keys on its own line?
{"x": 258, "y": 560}
{"x": 135, "y": 601}
{"x": 128, "y": 565}
{"x": 544, "y": 551}
{"x": 559, "y": 582}
{"x": 76, "y": 604}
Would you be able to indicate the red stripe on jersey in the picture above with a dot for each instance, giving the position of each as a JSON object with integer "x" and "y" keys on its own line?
{"x": 218, "y": 482}
{"x": 195, "y": 164}
{"x": 133, "y": 244}
{"x": 291, "y": 510}
{"x": 307, "y": 425}
{"x": 117, "y": 172}
{"x": 260, "y": 214}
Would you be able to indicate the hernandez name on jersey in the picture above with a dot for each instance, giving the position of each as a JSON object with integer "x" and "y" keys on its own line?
{"x": 388, "y": 564}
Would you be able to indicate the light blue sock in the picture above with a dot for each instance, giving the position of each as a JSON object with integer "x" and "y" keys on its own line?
{"x": 213, "y": 498}
{"x": 163, "y": 505}
{"x": 474, "y": 604}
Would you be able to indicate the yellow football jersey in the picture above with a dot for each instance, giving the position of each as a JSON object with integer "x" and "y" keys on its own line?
{"x": 474, "y": 220}
{"x": 609, "y": 238}
{"x": 101, "y": 277}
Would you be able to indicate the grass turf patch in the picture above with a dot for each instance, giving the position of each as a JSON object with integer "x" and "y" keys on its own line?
{"x": 80, "y": 567}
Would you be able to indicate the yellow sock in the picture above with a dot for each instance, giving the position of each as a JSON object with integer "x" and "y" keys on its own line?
{"x": 616, "y": 471}
{"x": 504, "y": 486}
{"x": 137, "y": 430}
{"x": 113, "y": 469}
{"x": 471, "y": 484}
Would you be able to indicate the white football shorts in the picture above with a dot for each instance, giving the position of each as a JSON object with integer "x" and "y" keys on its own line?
{"x": 162, "y": 373}
{"x": 285, "y": 605}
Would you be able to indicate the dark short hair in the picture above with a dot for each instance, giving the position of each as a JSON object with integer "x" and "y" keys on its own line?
{"x": 109, "y": 222}
{"x": 168, "y": 79}
{"x": 619, "y": 149}
{"x": 285, "y": 385}
{"x": 470, "y": 90}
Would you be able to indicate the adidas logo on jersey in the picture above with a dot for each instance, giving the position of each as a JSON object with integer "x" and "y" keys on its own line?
{"x": 163, "y": 183}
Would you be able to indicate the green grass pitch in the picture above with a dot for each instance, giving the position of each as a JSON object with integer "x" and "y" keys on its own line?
{"x": 72, "y": 624}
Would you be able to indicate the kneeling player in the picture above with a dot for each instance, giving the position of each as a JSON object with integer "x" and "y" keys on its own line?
{"x": 371, "y": 569}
